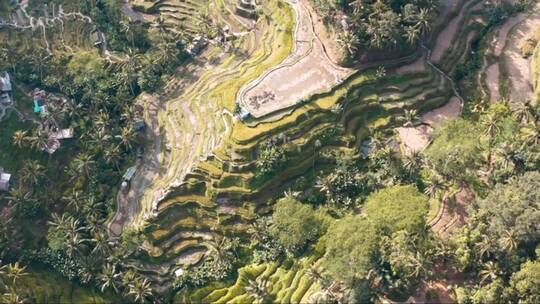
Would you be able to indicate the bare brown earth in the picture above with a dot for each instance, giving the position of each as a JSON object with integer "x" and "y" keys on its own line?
{"x": 506, "y": 45}
{"x": 418, "y": 138}
{"x": 306, "y": 71}
{"x": 519, "y": 68}
{"x": 414, "y": 139}
{"x": 441, "y": 115}
{"x": 492, "y": 80}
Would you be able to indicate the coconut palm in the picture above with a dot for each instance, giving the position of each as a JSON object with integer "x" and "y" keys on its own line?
{"x": 109, "y": 278}
{"x": 60, "y": 222}
{"x": 530, "y": 134}
{"x": 32, "y": 173}
{"x": 524, "y": 112}
{"x": 314, "y": 273}
{"x": 20, "y": 138}
{"x": 128, "y": 137}
{"x": 11, "y": 297}
{"x": 19, "y": 196}
{"x": 257, "y": 290}
{"x": 39, "y": 139}
{"x": 357, "y": 6}
{"x": 412, "y": 34}
{"x": 76, "y": 200}
{"x": 101, "y": 243}
{"x": 349, "y": 41}
{"x": 140, "y": 290}
{"x": 83, "y": 163}
{"x": 219, "y": 249}
{"x": 93, "y": 207}
{"x": 15, "y": 271}
{"x": 490, "y": 123}
{"x": 412, "y": 162}
{"x": 410, "y": 117}
{"x": 509, "y": 241}
{"x": 489, "y": 272}
{"x": 159, "y": 24}
{"x": 128, "y": 278}
{"x": 486, "y": 247}
{"x": 424, "y": 20}
{"x": 75, "y": 242}
{"x": 127, "y": 27}
{"x": 433, "y": 185}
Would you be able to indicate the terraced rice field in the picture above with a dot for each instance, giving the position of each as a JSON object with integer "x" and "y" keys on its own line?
{"x": 285, "y": 283}
{"x": 209, "y": 176}
{"x": 306, "y": 71}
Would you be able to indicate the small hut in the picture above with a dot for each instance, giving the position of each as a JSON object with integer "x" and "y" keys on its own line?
{"x": 5, "y": 89}
{"x": 126, "y": 179}
{"x": 5, "y": 179}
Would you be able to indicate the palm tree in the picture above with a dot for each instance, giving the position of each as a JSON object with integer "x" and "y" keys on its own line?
{"x": 159, "y": 24}
{"x": 257, "y": 290}
{"x": 32, "y": 173}
{"x": 314, "y": 273}
{"x": 410, "y": 117}
{"x": 75, "y": 242}
{"x": 412, "y": 34}
{"x": 490, "y": 124}
{"x": 15, "y": 271}
{"x": 489, "y": 272}
{"x": 357, "y": 6}
{"x": 93, "y": 207}
{"x": 128, "y": 278}
{"x": 433, "y": 185}
{"x": 39, "y": 139}
{"x": 140, "y": 290}
{"x": 530, "y": 134}
{"x": 524, "y": 112}
{"x": 19, "y": 196}
{"x": 218, "y": 248}
{"x": 424, "y": 20}
{"x": 60, "y": 222}
{"x": 76, "y": 200}
{"x": 39, "y": 60}
{"x": 11, "y": 297}
{"x": 128, "y": 137}
{"x": 127, "y": 27}
{"x": 412, "y": 162}
{"x": 509, "y": 240}
{"x": 111, "y": 154}
{"x": 101, "y": 243}
{"x": 20, "y": 138}
{"x": 486, "y": 247}
{"x": 84, "y": 163}
{"x": 349, "y": 41}
{"x": 109, "y": 278}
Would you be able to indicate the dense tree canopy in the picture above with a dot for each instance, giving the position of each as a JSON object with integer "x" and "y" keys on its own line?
{"x": 525, "y": 284}
{"x": 397, "y": 208}
{"x": 295, "y": 224}
{"x": 513, "y": 211}
{"x": 456, "y": 151}
{"x": 377, "y": 24}
{"x": 351, "y": 247}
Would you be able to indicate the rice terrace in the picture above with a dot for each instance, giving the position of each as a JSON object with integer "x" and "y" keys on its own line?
{"x": 276, "y": 151}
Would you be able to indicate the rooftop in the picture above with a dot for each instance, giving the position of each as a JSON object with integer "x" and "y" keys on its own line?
{"x": 5, "y": 83}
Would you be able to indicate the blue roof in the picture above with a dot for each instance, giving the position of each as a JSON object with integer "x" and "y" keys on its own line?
{"x": 129, "y": 173}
